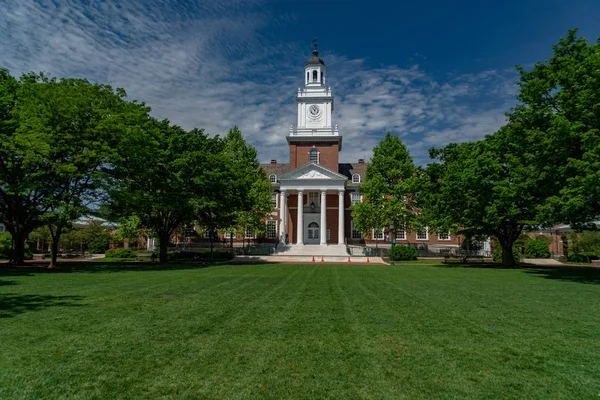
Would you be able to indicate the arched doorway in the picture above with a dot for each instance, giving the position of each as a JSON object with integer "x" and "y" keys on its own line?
{"x": 312, "y": 233}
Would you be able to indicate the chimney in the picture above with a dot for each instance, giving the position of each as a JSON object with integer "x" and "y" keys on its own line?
{"x": 361, "y": 160}
{"x": 273, "y": 161}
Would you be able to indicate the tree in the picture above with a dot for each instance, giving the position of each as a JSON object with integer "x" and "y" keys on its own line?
{"x": 74, "y": 125}
{"x": 487, "y": 188}
{"x": 21, "y": 171}
{"x": 560, "y": 108}
{"x": 244, "y": 199}
{"x": 55, "y": 139}
{"x": 163, "y": 175}
{"x": 390, "y": 189}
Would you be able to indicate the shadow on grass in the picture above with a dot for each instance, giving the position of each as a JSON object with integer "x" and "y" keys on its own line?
{"x": 13, "y": 304}
{"x": 7, "y": 283}
{"x": 97, "y": 267}
{"x": 571, "y": 274}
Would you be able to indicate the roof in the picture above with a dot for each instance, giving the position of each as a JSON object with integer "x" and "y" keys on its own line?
{"x": 277, "y": 169}
{"x": 346, "y": 169}
{"x": 315, "y": 59}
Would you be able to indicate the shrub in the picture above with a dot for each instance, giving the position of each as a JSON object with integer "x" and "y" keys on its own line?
{"x": 98, "y": 245}
{"x": 585, "y": 257}
{"x": 121, "y": 253}
{"x": 189, "y": 255}
{"x": 497, "y": 256}
{"x": 538, "y": 247}
{"x": 6, "y": 246}
{"x": 403, "y": 253}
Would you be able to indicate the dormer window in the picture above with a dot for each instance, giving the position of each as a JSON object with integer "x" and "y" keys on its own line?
{"x": 356, "y": 178}
{"x": 313, "y": 156}
{"x": 273, "y": 178}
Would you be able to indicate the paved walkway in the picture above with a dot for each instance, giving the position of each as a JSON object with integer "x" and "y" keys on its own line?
{"x": 308, "y": 260}
{"x": 544, "y": 261}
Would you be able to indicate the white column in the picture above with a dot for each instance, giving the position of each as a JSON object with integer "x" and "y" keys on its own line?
{"x": 282, "y": 217}
{"x": 323, "y": 218}
{"x": 341, "y": 215}
{"x": 300, "y": 222}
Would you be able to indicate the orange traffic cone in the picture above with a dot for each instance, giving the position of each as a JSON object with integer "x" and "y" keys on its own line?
{"x": 313, "y": 260}
{"x": 322, "y": 259}
{"x": 349, "y": 259}
{"x": 368, "y": 259}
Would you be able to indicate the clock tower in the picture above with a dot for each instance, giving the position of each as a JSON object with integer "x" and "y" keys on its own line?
{"x": 314, "y": 138}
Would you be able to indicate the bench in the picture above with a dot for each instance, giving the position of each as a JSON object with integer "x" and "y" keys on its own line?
{"x": 463, "y": 257}
{"x": 39, "y": 256}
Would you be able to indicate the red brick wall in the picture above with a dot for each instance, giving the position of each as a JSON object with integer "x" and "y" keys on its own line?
{"x": 328, "y": 154}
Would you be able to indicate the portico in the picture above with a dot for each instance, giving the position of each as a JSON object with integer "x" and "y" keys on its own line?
{"x": 310, "y": 189}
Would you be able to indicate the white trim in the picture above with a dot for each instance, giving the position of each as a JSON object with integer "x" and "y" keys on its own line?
{"x": 271, "y": 178}
{"x": 352, "y": 231}
{"x": 276, "y": 204}
{"x": 310, "y": 153}
{"x": 377, "y": 238}
{"x": 356, "y": 176}
{"x": 401, "y": 234}
{"x": 353, "y": 200}
{"x": 274, "y": 232}
{"x": 444, "y": 233}
{"x": 426, "y": 234}
{"x": 249, "y": 235}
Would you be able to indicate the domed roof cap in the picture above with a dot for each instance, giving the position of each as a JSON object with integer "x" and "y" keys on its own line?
{"x": 315, "y": 59}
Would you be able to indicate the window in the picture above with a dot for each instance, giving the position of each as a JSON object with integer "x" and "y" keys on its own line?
{"x": 356, "y": 178}
{"x": 322, "y": 76}
{"x": 378, "y": 234}
{"x": 423, "y": 235}
{"x": 307, "y": 76}
{"x": 328, "y": 234}
{"x": 355, "y": 234}
{"x": 355, "y": 197}
{"x": 2, "y": 228}
{"x": 227, "y": 235}
{"x": 315, "y": 75}
{"x": 443, "y": 235}
{"x": 271, "y": 232}
{"x": 273, "y": 178}
{"x": 313, "y": 156}
{"x": 250, "y": 233}
{"x": 274, "y": 197}
{"x": 400, "y": 234}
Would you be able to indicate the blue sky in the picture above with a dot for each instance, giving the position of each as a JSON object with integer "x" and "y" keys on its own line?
{"x": 432, "y": 72}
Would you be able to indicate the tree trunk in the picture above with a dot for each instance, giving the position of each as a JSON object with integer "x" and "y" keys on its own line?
{"x": 164, "y": 245}
{"x": 507, "y": 255}
{"x": 53, "y": 254}
{"x": 17, "y": 256}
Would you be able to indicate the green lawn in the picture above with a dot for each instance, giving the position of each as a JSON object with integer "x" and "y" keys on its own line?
{"x": 299, "y": 331}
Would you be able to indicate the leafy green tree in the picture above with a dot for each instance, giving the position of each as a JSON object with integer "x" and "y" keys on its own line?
{"x": 486, "y": 188}
{"x": 129, "y": 229}
{"x": 22, "y": 172}
{"x": 56, "y": 138}
{"x": 244, "y": 191}
{"x": 390, "y": 190}
{"x": 538, "y": 247}
{"x": 164, "y": 175}
{"x": 560, "y": 111}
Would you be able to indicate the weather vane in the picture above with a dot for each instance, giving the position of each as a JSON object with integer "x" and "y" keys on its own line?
{"x": 314, "y": 42}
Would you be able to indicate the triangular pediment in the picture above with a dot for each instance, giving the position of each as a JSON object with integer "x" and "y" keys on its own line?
{"x": 311, "y": 171}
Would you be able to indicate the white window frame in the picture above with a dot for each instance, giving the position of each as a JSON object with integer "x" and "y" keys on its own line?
{"x": 316, "y": 198}
{"x": 401, "y": 234}
{"x": 380, "y": 231}
{"x": 355, "y": 197}
{"x": 311, "y": 152}
{"x": 251, "y": 235}
{"x": 2, "y": 228}
{"x": 426, "y": 234}
{"x": 352, "y": 231}
{"x": 227, "y": 235}
{"x": 271, "y": 178}
{"x": 276, "y": 203}
{"x": 447, "y": 233}
{"x": 356, "y": 178}
{"x": 274, "y": 229}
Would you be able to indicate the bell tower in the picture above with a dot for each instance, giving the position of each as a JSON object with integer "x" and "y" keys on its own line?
{"x": 314, "y": 129}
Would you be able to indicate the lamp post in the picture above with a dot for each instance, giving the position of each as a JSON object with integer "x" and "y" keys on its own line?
{"x": 393, "y": 235}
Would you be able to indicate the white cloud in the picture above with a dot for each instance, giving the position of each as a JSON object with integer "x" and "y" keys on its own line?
{"x": 207, "y": 64}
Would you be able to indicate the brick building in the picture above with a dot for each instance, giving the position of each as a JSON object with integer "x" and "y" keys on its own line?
{"x": 312, "y": 195}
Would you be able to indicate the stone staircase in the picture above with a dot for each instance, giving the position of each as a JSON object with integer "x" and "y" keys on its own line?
{"x": 309, "y": 250}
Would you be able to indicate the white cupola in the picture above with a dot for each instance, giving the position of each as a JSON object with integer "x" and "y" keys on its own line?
{"x": 314, "y": 71}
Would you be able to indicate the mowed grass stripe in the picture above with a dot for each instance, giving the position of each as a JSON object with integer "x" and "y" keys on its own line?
{"x": 307, "y": 331}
